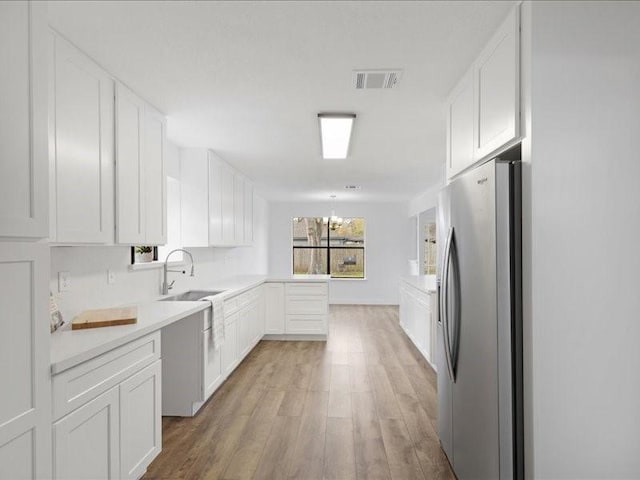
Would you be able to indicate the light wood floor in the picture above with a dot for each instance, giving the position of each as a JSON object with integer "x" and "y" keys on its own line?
{"x": 361, "y": 405}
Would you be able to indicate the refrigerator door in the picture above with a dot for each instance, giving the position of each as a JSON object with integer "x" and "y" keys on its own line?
{"x": 445, "y": 421}
{"x": 475, "y": 398}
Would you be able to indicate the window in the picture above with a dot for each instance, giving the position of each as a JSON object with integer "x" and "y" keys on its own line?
{"x": 430, "y": 249}
{"x": 144, "y": 254}
{"x": 322, "y": 247}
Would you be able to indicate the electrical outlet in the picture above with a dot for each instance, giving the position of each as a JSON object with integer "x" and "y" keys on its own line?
{"x": 111, "y": 277}
{"x": 64, "y": 281}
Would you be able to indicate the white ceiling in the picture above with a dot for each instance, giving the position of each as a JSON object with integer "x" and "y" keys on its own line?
{"x": 247, "y": 79}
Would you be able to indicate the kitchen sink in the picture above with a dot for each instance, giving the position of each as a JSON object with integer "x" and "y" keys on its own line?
{"x": 191, "y": 296}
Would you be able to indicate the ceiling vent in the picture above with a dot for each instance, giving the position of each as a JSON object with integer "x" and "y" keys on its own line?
{"x": 375, "y": 79}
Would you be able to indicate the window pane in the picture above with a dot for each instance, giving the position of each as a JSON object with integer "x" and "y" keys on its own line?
{"x": 347, "y": 262}
{"x": 309, "y": 231}
{"x": 310, "y": 261}
{"x": 350, "y": 232}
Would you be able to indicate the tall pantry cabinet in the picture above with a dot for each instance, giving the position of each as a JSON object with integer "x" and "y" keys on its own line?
{"x": 25, "y": 402}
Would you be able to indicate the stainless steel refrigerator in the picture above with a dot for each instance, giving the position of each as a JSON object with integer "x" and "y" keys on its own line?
{"x": 479, "y": 346}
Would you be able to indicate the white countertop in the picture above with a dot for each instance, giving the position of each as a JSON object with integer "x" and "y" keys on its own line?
{"x": 426, "y": 283}
{"x": 71, "y": 347}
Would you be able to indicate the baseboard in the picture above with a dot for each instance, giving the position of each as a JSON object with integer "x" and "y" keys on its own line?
{"x": 424, "y": 355}
{"x": 282, "y": 337}
{"x": 362, "y": 301}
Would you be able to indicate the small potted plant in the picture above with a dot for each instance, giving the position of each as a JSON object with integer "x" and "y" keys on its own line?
{"x": 144, "y": 254}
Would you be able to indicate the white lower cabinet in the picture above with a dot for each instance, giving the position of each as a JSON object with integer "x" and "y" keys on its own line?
{"x": 418, "y": 320}
{"x": 212, "y": 362}
{"x": 230, "y": 345}
{"x": 274, "y": 308}
{"x": 140, "y": 421}
{"x": 307, "y": 308}
{"x": 107, "y": 413}
{"x": 86, "y": 442}
{"x": 193, "y": 366}
{"x": 296, "y": 308}
{"x": 245, "y": 310}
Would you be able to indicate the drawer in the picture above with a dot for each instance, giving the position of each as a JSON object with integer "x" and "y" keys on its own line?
{"x": 309, "y": 304}
{"x": 76, "y": 386}
{"x": 306, "y": 324}
{"x": 307, "y": 289}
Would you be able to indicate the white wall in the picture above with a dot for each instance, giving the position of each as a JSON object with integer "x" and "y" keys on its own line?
{"x": 386, "y": 250}
{"x": 425, "y": 201}
{"x": 88, "y": 265}
{"x": 582, "y": 220}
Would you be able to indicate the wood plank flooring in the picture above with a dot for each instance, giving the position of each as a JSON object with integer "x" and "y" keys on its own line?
{"x": 362, "y": 405}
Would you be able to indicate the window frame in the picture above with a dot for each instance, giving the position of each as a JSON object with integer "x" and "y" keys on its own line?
{"x": 328, "y": 247}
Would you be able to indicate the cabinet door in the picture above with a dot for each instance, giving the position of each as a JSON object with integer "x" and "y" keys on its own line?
{"x": 130, "y": 202}
{"x": 194, "y": 191}
{"x": 244, "y": 335}
{"x": 256, "y": 320}
{"x": 248, "y": 213}
{"x": 86, "y": 443}
{"x": 230, "y": 345}
{"x": 140, "y": 421}
{"x": 155, "y": 179}
{"x": 23, "y": 120}
{"x": 497, "y": 80}
{"x": 402, "y": 313}
{"x": 81, "y": 127}
{"x": 274, "y": 306}
{"x": 460, "y": 126}
{"x": 228, "y": 218}
{"x": 238, "y": 209}
{"x": 212, "y": 364}
{"x": 215, "y": 200}
{"x": 25, "y": 401}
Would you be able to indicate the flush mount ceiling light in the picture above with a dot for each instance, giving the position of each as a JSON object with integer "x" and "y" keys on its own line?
{"x": 335, "y": 134}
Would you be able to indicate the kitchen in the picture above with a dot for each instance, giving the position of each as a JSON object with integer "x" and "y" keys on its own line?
{"x": 225, "y": 87}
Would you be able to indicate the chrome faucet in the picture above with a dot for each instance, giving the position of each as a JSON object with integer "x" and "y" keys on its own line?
{"x": 168, "y": 286}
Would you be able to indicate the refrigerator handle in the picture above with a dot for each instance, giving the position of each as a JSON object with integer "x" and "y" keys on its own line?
{"x": 444, "y": 303}
{"x": 455, "y": 344}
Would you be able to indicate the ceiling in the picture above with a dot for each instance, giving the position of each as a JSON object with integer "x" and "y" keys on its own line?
{"x": 248, "y": 79}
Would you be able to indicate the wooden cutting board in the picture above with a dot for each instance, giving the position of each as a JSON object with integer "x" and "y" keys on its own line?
{"x": 105, "y": 317}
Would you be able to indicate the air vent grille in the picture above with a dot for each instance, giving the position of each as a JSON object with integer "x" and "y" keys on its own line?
{"x": 376, "y": 79}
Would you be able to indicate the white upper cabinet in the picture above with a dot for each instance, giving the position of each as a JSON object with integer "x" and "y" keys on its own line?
{"x": 460, "y": 126}
{"x": 194, "y": 192}
{"x": 216, "y": 167}
{"x": 238, "y": 209}
{"x": 248, "y": 213}
{"x": 227, "y": 191}
{"x": 214, "y": 201}
{"x": 23, "y": 120}
{"x": 497, "y": 79}
{"x": 140, "y": 174}
{"x": 129, "y": 177}
{"x": 483, "y": 110}
{"x": 81, "y": 147}
{"x": 155, "y": 179}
